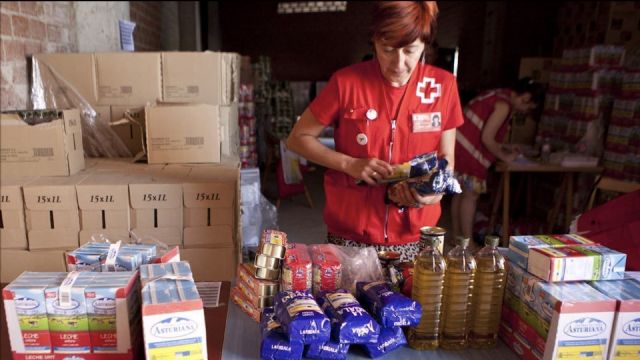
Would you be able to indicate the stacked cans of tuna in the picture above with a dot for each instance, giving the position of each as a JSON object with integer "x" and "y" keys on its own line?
{"x": 258, "y": 283}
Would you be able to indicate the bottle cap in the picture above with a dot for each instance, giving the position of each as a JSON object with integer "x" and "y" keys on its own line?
{"x": 463, "y": 241}
{"x": 491, "y": 240}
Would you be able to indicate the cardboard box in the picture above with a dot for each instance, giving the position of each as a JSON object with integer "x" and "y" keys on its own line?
{"x": 52, "y": 215}
{"x": 200, "y": 77}
{"x": 183, "y": 134}
{"x": 520, "y": 245}
{"x": 577, "y": 263}
{"x": 73, "y": 70}
{"x": 47, "y": 149}
{"x": 14, "y": 262}
{"x": 229, "y": 130}
{"x": 156, "y": 203}
{"x": 103, "y": 199}
{"x": 625, "y": 338}
{"x": 172, "y": 313}
{"x": 131, "y": 133}
{"x": 211, "y": 264}
{"x": 13, "y": 233}
{"x": 128, "y": 78}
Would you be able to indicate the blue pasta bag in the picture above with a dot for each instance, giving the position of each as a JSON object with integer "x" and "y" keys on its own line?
{"x": 275, "y": 344}
{"x": 330, "y": 350}
{"x": 301, "y": 317}
{"x": 389, "y": 308}
{"x": 350, "y": 322}
{"x": 389, "y": 340}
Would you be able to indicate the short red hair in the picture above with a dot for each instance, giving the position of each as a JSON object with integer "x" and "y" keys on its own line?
{"x": 400, "y": 23}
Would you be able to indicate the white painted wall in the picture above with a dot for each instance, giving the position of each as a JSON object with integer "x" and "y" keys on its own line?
{"x": 97, "y": 24}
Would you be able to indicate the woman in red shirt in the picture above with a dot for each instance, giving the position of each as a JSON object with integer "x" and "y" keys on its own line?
{"x": 479, "y": 144}
{"x": 384, "y": 112}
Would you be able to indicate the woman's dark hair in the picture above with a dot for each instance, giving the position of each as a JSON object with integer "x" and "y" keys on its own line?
{"x": 527, "y": 85}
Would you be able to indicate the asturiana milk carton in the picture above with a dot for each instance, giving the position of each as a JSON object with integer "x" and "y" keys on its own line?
{"x": 580, "y": 318}
{"x": 172, "y": 313}
{"x": 625, "y": 338}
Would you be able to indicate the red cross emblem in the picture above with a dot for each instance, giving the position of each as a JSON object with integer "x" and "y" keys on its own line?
{"x": 428, "y": 90}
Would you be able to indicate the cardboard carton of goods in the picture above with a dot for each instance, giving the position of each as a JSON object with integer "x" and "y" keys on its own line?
{"x": 580, "y": 320}
{"x": 520, "y": 245}
{"x": 625, "y": 338}
{"x": 577, "y": 263}
{"x": 172, "y": 313}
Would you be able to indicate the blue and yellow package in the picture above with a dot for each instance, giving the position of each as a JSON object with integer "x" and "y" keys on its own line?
{"x": 389, "y": 308}
{"x": 275, "y": 344}
{"x": 301, "y": 317}
{"x": 350, "y": 323}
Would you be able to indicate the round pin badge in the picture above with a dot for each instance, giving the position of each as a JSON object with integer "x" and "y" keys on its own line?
{"x": 372, "y": 114}
{"x": 362, "y": 139}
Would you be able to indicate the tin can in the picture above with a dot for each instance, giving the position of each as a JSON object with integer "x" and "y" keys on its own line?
{"x": 433, "y": 232}
{"x": 272, "y": 250}
{"x": 260, "y": 287}
{"x": 267, "y": 274}
{"x": 265, "y": 261}
{"x": 259, "y": 302}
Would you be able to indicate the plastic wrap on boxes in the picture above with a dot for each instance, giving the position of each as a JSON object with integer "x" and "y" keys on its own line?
{"x": 50, "y": 91}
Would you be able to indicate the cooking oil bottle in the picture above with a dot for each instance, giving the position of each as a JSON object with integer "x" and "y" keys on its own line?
{"x": 458, "y": 291}
{"x": 487, "y": 295}
{"x": 428, "y": 281}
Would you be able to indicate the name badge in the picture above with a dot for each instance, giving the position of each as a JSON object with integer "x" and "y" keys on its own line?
{"x": 427, "y": 122}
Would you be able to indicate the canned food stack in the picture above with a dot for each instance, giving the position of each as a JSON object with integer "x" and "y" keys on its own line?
{"x": 258, "y": 283}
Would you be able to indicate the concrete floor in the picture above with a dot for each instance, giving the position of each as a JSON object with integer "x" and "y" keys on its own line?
{"x": 304, "y": 224}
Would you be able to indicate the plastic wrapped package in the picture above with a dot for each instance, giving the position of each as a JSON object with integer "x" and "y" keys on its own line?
{"x": 388, "y": 307}
{"x": 275, "y": 345}
{"x": 350, "y": 323}
{"x": 50, "y": 91}
{"x": 301, "y": 317}
{"x": 330, "y": 350}
{"x": 389, "y": 340}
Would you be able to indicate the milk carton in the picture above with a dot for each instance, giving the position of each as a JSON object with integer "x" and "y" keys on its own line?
{"x": 576, "y": 263}
{"x": 25, "y": 306}
{"x": 519, "y": 246}
{"x": 580, "y": 320}
{"x": 172, "y": 313}
{"x": 113, "y": 312}
{"x": 625, "y": 339}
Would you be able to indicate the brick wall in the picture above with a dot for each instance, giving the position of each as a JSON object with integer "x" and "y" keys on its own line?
{"x": 148, "y": 18}
{"x": 28, "y": 28}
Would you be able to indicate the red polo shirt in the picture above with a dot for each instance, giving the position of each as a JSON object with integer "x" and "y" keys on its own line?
{"x": 361, "y": 104}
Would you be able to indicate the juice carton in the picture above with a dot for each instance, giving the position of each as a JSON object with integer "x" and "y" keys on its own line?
{"x": 625, "y": 339}
{"x": 172, "y": 313}
{"x": 519, "y": 246}
{"x": 576, "y": 263}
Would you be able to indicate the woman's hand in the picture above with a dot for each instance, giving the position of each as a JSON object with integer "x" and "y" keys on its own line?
{"x": 369, "y": 170}
{"x": 410, "y": 198}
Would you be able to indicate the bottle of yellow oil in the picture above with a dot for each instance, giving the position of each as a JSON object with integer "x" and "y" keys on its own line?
{"x": 487, "y": 295}
{"x": 458, "y": 291}
{"x": 428, "y": 281}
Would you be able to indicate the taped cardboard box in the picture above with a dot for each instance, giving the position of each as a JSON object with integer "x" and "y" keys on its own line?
{"x": 52, "y": 215}
{"x": 13, "y": 230}
{"x": 211, "y": 264}
{"x": 75, "y": 70}
{"x": 14, "y": 262}
{"x": 130, "y": 128}
{"x": 182, "y": 134}
{"x": 128, "y": 78}
{"x": 201, "y": 77}
{"x": 52, "y": 148}
{"x": 103, "y": 199}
